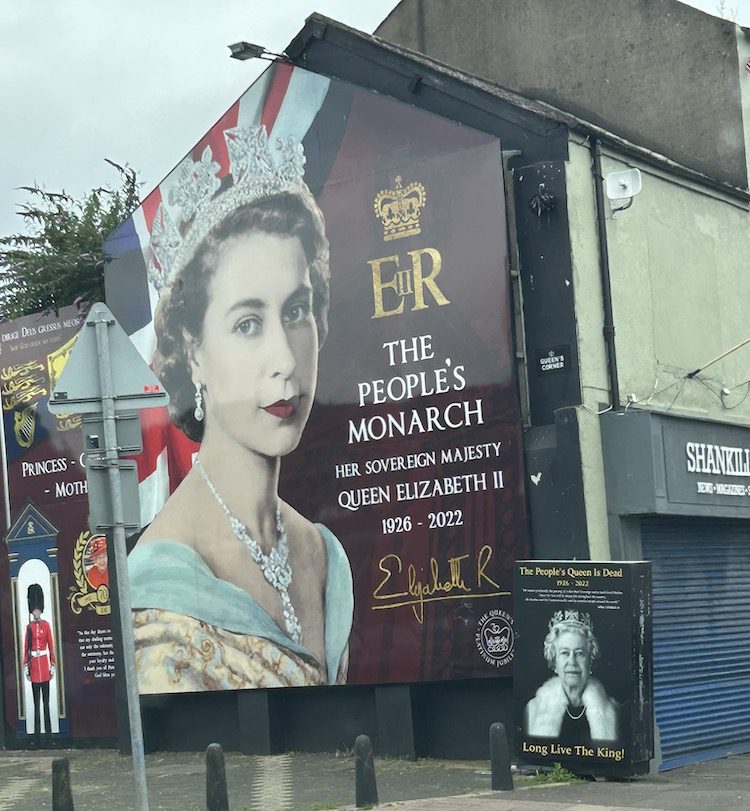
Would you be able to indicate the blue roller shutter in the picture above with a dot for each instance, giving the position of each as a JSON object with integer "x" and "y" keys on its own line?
{"x": 701, "y": 613}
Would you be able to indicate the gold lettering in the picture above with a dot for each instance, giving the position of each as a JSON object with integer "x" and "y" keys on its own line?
{"x": 421, "y": 281}
{"x": 456, "y": 578}
{"x": 535, "y": 748}
{"x": 378, "y": 285}
{"x": 433, "y": 588}
{"x": 388, "y": 574}
{"x": 483, "y": 558}
{"x": 403, "y": 283}
{"x": 607, "y": 752}
{"x": 435, "y": 585}
{"x": 410, "y": 282}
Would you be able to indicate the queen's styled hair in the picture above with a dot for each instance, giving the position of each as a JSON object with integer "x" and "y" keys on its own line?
{"x": 573, "y": 621}
{"x": 264, "y": 191}
{"x": 179, "y": 319}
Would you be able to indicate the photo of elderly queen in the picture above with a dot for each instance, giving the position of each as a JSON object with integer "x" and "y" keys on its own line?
{"x": 231, "y": 586}
{"x": 572, "y": 706}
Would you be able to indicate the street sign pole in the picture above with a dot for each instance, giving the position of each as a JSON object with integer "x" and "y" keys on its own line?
{"x": 105, "y": 375}
{"x": 111, "y": 459}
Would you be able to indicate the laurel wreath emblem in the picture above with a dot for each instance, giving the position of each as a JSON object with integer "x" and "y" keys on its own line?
{"x": 84, "y": 596}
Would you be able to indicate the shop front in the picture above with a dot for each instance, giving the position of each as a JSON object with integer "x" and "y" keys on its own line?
{"x": 678, "y": 494}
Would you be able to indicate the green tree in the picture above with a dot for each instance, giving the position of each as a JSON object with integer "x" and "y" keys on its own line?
{"x": 61, "y": 260}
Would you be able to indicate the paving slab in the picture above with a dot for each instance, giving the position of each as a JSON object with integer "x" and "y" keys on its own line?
{"x": 102, "y": 780}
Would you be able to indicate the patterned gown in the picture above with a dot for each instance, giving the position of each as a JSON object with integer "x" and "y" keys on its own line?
{"x": 195, "y": 632}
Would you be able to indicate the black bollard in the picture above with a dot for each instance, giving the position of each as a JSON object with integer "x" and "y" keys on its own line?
{"x": 62, "y": 796}
{"x": 365, "y": 786}
{"x": 216, "y": 779}
{"x": 502, "y": 779}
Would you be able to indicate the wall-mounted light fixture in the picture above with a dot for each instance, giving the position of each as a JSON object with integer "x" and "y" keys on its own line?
{"x": 622, "y": 185}
{"x": 248, "y": 50}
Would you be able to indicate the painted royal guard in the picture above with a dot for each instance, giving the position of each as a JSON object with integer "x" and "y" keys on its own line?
{"x": 98, "y": 572}
{"x": 39, "y": 658}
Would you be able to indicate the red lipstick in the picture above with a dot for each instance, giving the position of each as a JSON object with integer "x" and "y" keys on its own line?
{"x": 283, "y": 409}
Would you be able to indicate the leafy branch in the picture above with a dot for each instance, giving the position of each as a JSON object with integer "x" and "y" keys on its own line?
{"x": 60, "y": 259}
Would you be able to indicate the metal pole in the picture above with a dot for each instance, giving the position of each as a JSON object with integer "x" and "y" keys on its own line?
{"x": 723, "y": 355}
{"x": 608, "y": 329}
{"x": 111, "y": 459}
{"x": 6, "y": 482}
{"x": 6, "y": 497}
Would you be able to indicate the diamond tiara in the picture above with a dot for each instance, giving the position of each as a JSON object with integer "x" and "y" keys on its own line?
{"x": 257, "y": 170}
{"x": 571, "y": 617}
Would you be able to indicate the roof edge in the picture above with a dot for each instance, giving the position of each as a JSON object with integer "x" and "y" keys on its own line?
{"x": 318, "y": 28}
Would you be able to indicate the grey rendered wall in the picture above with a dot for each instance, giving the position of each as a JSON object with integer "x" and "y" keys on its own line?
{"x": 657, "y": 72}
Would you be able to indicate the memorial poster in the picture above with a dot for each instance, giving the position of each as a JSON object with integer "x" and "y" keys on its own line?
{"x": 582, "y": 681}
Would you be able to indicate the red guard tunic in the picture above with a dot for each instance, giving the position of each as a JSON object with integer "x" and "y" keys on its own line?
{"x": 97, "y": 578}
{"x": 42, "y": 651}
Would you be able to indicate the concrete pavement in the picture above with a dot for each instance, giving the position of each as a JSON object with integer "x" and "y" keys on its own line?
{"x": 102, "y": 781}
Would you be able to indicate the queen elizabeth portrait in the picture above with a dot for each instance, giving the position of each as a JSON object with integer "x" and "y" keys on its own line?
{"x": 232, "y": 587}
{"x": 572, "y": 705}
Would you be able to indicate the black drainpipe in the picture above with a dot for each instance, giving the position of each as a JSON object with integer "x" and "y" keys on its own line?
{"x": 421, "y": 33}
{"x": 609, "y": 325}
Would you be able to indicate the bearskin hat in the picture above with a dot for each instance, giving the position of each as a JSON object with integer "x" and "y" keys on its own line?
{"x": 35, "y": 597}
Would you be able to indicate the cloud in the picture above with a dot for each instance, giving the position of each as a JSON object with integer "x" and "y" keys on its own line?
{"x": 132, "y": 80}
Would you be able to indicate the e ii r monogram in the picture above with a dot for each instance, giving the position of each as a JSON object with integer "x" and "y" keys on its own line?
{"x": 399, "y": 210}
{"x": 411, "y": 282}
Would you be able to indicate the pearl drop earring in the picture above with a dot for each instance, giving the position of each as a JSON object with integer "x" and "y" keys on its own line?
{"x": 199, "y": 413}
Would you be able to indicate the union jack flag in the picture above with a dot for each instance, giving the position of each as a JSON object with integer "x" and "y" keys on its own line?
{"x": 286, "y": 100}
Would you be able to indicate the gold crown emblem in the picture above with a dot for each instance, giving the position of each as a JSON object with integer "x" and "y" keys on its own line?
{"x": 399, "y": 209}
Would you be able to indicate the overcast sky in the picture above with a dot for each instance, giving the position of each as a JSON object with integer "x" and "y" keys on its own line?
{"x": 139, "y": 81}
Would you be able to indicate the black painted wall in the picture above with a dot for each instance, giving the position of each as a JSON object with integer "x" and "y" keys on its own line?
{"x": 547, "y": 284}
{"x": 554, "y": 488}
{"x": 450, "y": 719}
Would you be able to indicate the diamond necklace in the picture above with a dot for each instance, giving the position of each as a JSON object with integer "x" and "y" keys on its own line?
{"x": 275, "y": 565}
